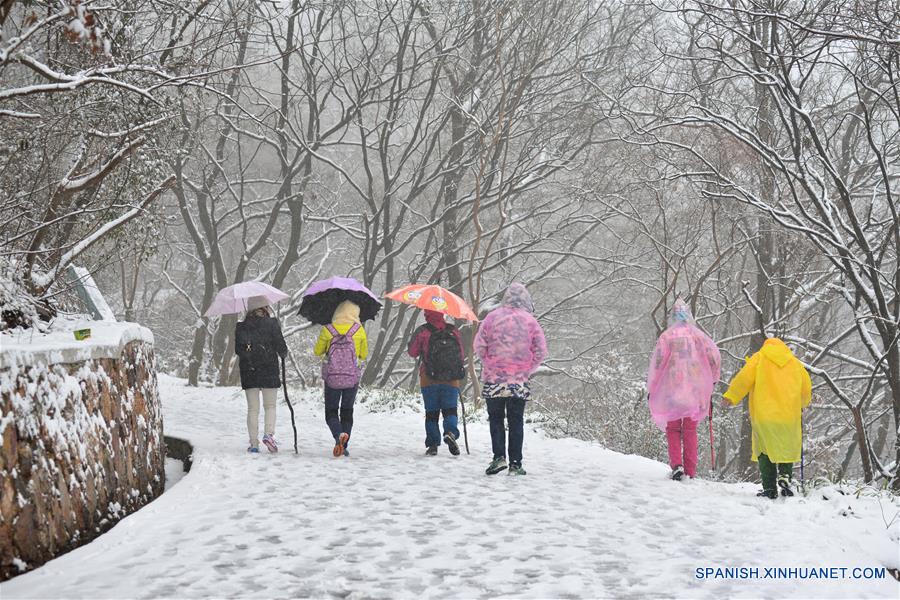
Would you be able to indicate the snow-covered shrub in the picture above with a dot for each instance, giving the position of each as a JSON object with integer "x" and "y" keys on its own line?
{"x": 390, "y": 400}
{"x": 608, "y": 405}
{"x": 17, "y": 309}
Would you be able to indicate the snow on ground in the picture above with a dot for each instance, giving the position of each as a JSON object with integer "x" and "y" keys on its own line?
{"x": 174, "y": 471}
{"x": 389, "y": 522}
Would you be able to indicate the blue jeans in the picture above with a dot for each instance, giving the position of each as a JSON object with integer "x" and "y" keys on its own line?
{"x": 339, "y": 402}
{"x": 440, "y": 398}
{"x": 511, "y": 410}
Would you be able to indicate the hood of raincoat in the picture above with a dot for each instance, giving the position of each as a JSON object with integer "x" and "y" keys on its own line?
{"x": 777, "y": 351}
{"x": 517, "y": 296}
{"x": 435, "y": 319}
{"x": 346, "y": 313}
{"x": 681, "y": 313}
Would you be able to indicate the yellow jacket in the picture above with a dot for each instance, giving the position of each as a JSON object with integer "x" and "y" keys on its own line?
{"x": 359, "y": 340}
{"x": 779, "y": 388}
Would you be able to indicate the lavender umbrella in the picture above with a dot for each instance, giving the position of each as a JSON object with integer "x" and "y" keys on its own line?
{"x": 236, "y": 298}
{"x": 322, "y": 297}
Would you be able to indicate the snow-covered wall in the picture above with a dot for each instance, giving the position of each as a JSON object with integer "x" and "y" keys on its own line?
{"x": 82, "y": 437}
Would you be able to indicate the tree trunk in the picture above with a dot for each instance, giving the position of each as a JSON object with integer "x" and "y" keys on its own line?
{"x": 863, "y": 443}
{"x": 196, "y": 359}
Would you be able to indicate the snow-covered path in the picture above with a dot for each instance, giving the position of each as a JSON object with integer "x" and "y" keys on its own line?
{"x": 389, "y": 522}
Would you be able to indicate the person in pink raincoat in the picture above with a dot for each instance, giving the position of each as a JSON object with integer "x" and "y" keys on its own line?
{"x": 684, "y": 369}
{"x": 511, "y": 346}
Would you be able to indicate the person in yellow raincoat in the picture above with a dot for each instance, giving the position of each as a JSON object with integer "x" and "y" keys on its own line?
{"x": 779, "y": 388}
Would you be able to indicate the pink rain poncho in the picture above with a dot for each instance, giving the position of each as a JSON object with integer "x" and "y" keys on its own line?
{"x": 684, "y": 369}
{"x": 510, "y": 342}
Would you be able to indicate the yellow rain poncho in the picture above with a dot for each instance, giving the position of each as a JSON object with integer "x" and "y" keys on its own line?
{"x": 779, "y": 388}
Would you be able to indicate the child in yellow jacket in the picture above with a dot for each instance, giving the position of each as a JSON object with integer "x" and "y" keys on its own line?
{"x": 779, "y": 388}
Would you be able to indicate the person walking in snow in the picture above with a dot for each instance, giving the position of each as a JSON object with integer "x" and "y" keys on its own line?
{"x": 438, "y": 346}
{"x": 684, "y": 368}
{"x": 779, "y": 388}
{"x": 343, "y": 344}
{"x": 258, "y": 343}
{"x": 511, "y": 346}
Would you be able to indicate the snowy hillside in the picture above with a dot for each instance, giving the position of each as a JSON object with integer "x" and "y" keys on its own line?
{"x": 390, "y": 522}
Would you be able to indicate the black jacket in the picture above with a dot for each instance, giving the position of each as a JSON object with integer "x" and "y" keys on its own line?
{"x": 258, "y": 343}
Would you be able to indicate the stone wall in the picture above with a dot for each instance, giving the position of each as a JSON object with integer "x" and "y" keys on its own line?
{"x": 82, "y": 448}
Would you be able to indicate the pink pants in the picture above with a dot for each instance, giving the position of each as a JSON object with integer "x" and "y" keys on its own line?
{"x": 678, "y": 431}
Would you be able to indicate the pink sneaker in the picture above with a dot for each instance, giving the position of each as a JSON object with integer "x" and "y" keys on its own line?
{"x": 269, "y": 441}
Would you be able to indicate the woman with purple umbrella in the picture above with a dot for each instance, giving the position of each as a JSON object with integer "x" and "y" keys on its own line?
{"x": 340, "y": 305}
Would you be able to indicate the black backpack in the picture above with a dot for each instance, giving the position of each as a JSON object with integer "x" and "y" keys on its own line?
{"x": 444, "y": 361}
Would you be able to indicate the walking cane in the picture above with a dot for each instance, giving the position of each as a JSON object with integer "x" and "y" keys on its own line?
{"x": 712, "y": 450}
{"x": 288, "y": 400}
{"x": 465, "y": 433}
{"x": 802, "y": 457}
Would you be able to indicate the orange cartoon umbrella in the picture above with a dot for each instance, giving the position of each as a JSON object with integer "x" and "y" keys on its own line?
{"x": 433, "y": 297}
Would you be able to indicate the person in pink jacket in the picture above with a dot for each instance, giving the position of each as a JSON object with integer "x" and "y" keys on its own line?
{"x": 684, "y": 369}
{"x": 511, "y": 346}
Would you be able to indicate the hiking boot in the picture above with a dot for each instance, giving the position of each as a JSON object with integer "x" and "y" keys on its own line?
{"x": 771, "y": 494}
{"x": 784, "y": 482}
{"x": 432, "y": 451}
{"x": 516, "y": 469}
{"x": 678, "y": 473}
{"x": 497, "y": 465}
{"x": 450, "y": 440}
{"x": 339, "y": 444}
{"x": 253, "y": 450}
{"x": 269, "y": 441}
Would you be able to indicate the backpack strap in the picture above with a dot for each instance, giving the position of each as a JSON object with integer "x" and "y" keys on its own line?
{"x": 350, "y": 332}
{"x": 334, "y": 332}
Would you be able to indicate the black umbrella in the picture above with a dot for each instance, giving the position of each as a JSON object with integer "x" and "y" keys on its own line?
{"x": 322, "y": 298}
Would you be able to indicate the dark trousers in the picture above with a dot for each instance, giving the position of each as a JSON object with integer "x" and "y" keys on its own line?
{"x": 767, "y": 471}
{"x": 511, "y": 410}
{"x": 339, "y": 402}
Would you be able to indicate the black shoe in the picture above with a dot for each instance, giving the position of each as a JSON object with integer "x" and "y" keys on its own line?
{"x": 346, "y": 452}
{"x": 432, "y": 451}
{"x": 452, "y": 444}
{"x": 771, "y": 494}
{"x": 784, "y": 482}
{"x": 678, "y": 473}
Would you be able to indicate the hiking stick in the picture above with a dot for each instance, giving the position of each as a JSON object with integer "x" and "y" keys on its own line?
{"x": 712, "y": 450}
{"x": 802, "y": 457}
{"x": 288, "y": 400}
{"x": 462, "y": 405}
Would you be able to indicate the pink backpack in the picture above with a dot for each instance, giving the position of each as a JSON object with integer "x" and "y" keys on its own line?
{"x": 341, "y": 370}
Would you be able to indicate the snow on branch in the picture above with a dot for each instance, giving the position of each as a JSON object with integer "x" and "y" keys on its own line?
{"x": 43, "y": 280}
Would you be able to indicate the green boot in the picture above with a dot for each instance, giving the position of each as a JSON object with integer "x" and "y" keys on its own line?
{"x": 497, "y": 465}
